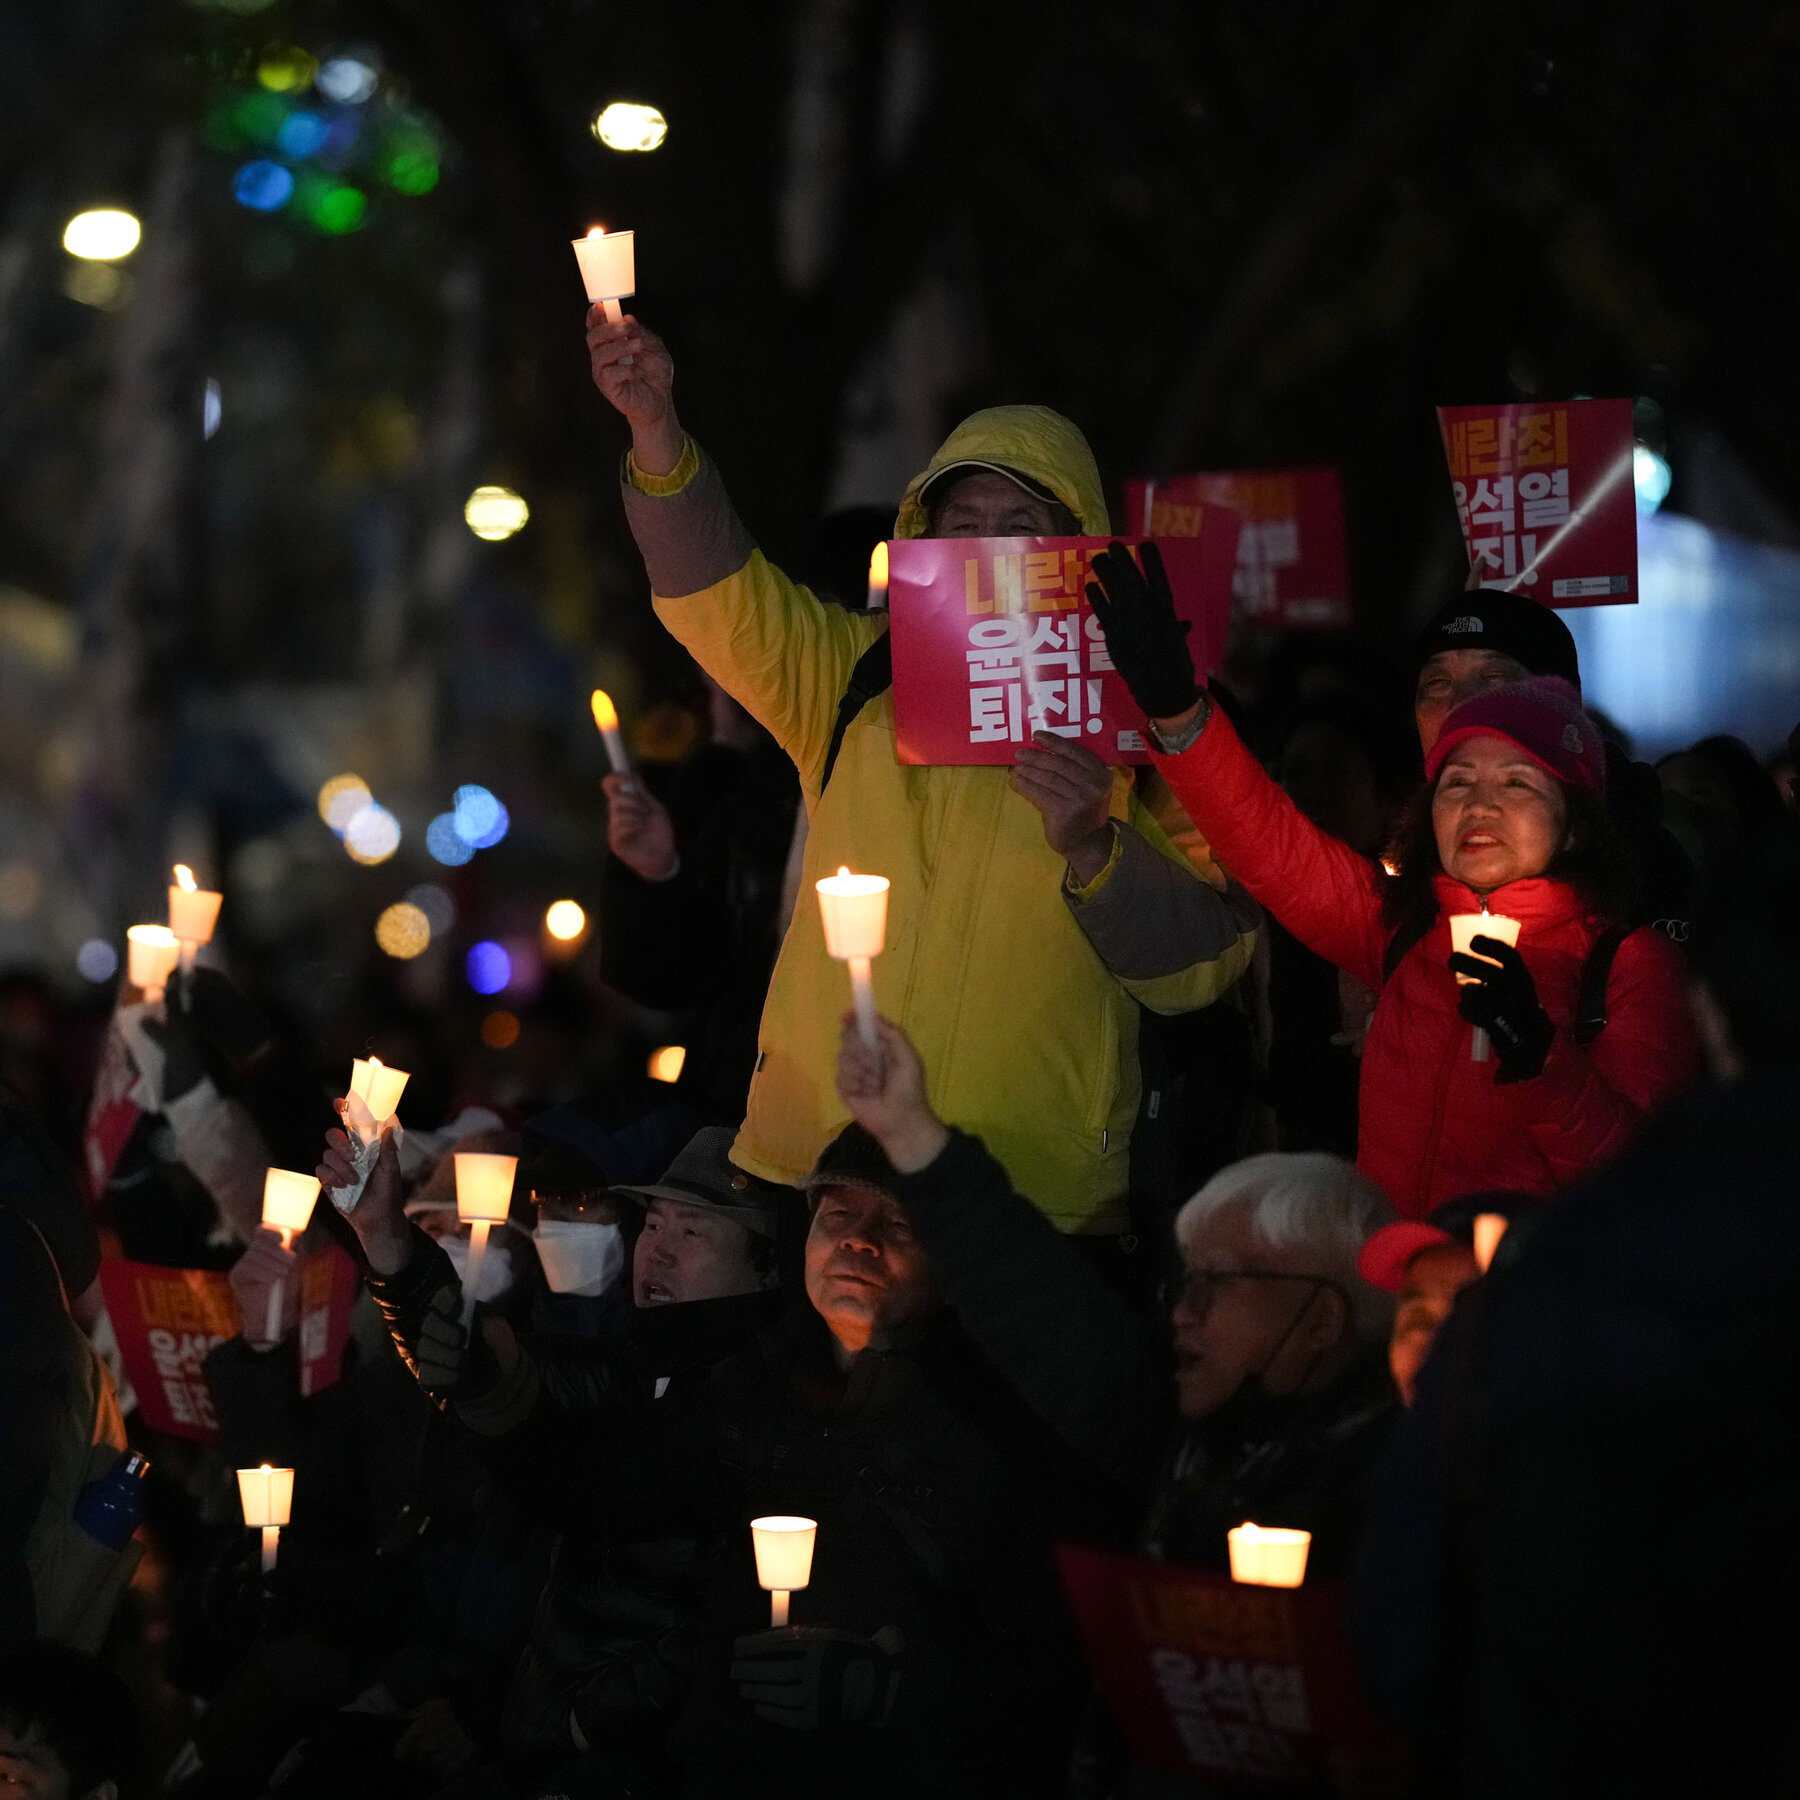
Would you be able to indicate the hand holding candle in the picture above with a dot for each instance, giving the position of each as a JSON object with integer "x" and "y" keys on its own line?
{"x": 369, "y": 1116}
{"x": 484, "y": 1185}
{"x": 853, "y": 909}
{"x": 267, "y": 1497}
{"x": 784, "y": 1553}
{"x": 1463, "y": 928}
{"x": 608, "y": 261}
{"x": 288, "y": 1201}
{"x": 1268, "y": 1556}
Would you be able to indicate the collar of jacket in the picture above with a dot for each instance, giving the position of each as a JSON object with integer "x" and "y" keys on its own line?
{"x": 668, "y": 1340}
{"x": 1538, "y": 903}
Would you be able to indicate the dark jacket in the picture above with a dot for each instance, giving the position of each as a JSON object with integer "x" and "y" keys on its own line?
{"x": 1099, "y": 1372}
{"x": 938, "y": 1497}
{"x": 1580, "y": 1578}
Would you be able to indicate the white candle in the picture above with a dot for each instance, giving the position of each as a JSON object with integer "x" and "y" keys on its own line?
{"x": 1463, "y": 927}
{"x": 1268, "y": 1556}
{"x": 193, "y": 913}
{"x": 784, "y": 1553}
{"x": 377, "y": 1086}
{"x": 853, "y": 909}
{"x": 267, "y": 1496}
{"x": 1490, "y": 1228}
{"x": 288, "y": 1200}
{"x": 484, "y": 1185}
{"x": 608, "y": 262}
{"x": 606, "y": 716}
{"x": 152, "y": 952}
{"x": 878, "y": 578}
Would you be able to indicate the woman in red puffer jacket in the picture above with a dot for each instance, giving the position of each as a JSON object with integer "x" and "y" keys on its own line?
{"x": 1487, "y": 1085}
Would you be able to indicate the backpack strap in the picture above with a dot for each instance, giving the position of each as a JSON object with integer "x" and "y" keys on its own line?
{"x": 1401, "y": 942}
{"x": 873, "y": 675}
{"x": 1596, "y": 972}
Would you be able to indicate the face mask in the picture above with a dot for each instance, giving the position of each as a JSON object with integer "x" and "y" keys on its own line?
{"x": 496, "y": 1269}
{"x": 579, "y": 1257}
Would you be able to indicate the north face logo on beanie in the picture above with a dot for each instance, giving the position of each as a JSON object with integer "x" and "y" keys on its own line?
{"x": 1571, "y": 739}
{"x": 1468, "y": 622}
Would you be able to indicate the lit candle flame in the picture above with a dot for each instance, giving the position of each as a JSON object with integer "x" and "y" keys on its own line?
{"x": 596, "y": 231}
{"x": 606, "y": 715}
{"x": 185, "y": 877}
{"x": 878, "y": 566}
{"x": 843, "y": 869}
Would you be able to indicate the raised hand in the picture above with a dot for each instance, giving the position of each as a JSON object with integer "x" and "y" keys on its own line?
{"x": 639, "y": 831}
{"x": 633, "y": 369}
{"x": 1504, "y": 1003}
{"x": 886, "y": 1095}
{"x": 1144, "y": 638}
{"x": 378, "y": 1218}
{"x": 1073, "y": 789}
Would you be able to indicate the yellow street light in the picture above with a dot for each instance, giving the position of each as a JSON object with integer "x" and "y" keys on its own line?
{"x": 630, "y": 125}
{"x": 103, "y": 235}
{"x": 495, "y": 513}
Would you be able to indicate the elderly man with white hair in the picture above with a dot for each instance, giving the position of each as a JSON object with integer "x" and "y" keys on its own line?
{"x": 1275, "y": 1357}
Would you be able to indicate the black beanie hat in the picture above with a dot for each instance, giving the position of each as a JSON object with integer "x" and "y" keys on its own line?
{"x": 1490, "y": 618}
{"x": 852, "y": 1159}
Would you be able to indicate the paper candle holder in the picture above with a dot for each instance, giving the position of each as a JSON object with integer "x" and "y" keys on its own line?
{"x": 288, "y": 1201}
{"x": 267, "y": 1497}
{"x": 152, "y": 951}
{"x": 193, "y": 910}
{"x": 784, "y": 1554}
{"x": 484, "y": 1185}
{"x": 1268, "y": 1555}
{"x": 1465, "y": 926}
{"x": 377, "y": 1086}
{"x": 608, "y": 261}
{"x": 853, "y": 909}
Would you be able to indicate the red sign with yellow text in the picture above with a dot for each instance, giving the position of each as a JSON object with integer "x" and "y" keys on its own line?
{"x": 993, "y": 639}
{"x": 1292, "y": 570}
{"x": 1546, "y": 498}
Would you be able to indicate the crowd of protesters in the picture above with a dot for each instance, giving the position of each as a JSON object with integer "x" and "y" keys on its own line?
{"x": 1165, "y": 1198}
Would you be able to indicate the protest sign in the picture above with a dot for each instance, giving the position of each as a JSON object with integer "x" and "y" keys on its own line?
{"x": 1292, "y": 570}
{"x": 112, "y": 1114}
{"x": 1546, "y": 499}
{"x": 1251, "y": 1686}
{"x": 327, "y": 1293}
{"x": 166, "y": 1320}
{"x": 993, "y": 639}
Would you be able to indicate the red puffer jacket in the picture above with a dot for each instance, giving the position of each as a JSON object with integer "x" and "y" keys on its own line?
{"x": 1432, "y": 1122}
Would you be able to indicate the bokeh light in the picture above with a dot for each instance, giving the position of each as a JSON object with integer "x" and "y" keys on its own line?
{"x": 403, "y": 931}
{"x": 411, "y": 171}
{"x": 341, "y": 799}
{"x": 338, "y": 209}
{"x": 1652, "y": 478}
{"x": 667, "y": 1063}
{"x": 500, "y": 1029}
{"x": 95, "y": 284}
{"x": 630, "y": 125}
{"x": 97, "y": 960}
{"x": 263, "y": 186}
{"x": 212, "y": 407}
{"x": 481, "y": 821}
{"x": 302, "y": 133}
{"x": 495, "y": 513}
{"x": 345, "y": 80}
{"x": 488, "y": 967}
{"x": 287, "y": 71}
{"x": 373, "y": 835}
{"x": 103, "y": 235}
{"x": 565, "y": 921}
{"x": 435, "y": 903}
{"x": 445, "y": 843}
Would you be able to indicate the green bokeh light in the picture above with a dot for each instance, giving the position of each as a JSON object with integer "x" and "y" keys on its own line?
{"x": 339, "y": 209}
{"x": 259, "y": 115}
{"x": 412, "y": 171}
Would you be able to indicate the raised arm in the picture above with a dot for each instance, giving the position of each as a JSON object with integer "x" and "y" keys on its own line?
{"x": 783, "y": 654}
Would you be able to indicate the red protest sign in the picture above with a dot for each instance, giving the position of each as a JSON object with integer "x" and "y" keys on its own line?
{"x": 112, "y": 1114}
{"x": 327, "y": 1293}
{"x": 1545, "y": 497}
{"x": 993, "y": 639}
{"x": 1248, "y": 1685}
{"x": 166, "y": 1320}
{"x": 1293, "y": 573}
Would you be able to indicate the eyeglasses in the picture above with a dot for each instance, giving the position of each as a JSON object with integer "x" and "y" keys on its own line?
{"x": 1196, "y": 1291}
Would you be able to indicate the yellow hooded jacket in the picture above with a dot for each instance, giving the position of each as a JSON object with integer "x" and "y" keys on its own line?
{"x": 1027, "y": 1037}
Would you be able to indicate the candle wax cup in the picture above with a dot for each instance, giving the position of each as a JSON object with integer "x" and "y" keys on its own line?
{"x": 193, "y": 913}
{"x": 784, "y": 1552}
{"x": 484, "y": 1185}
{"x": 1464, "y": 926}
{"x": 267, "y": 1495}
{"x": 853, "y": 910}
{"x": 152, "y": 952}
{"x": 288, "y": 1199}
{"x": 1268, "y": 1556}
{"x": 608, "y": 264}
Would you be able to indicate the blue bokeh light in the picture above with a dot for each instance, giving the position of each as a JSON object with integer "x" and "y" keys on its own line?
{"x": 481, "y": 821}
{"x": 445, "y": 845}
{"x": 262, "y": 186}
{"x": 302, "y": 133}
{"x": 488, "y": 967}
{"x": 97, "y": 960}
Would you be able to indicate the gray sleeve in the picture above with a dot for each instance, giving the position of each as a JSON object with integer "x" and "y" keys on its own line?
{"x": 689, "y": 540}
{"x": 1154, "y": 918}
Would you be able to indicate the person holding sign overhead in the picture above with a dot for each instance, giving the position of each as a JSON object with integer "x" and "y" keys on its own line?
{"x": 1525, "y": 1059}
{"x": 1031, "y": 911}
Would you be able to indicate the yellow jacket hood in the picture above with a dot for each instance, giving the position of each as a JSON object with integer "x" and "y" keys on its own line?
{"x": 1034, "y": 442}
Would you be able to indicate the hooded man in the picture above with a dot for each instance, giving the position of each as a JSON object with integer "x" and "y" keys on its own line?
{"x": 1021, "y": 935}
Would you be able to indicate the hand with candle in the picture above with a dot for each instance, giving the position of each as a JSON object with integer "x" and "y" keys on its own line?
{"x": 1504, "y": 1003}
{"x": 639, "y": 830}
{"x": 885, "y": 1093}
{"x": 632, "y": 367}
{"x": 378, "y": 1218}
{"x": 265, "y": 1282}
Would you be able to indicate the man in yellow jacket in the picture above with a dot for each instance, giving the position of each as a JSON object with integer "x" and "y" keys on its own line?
{"x": 1020, "y": 941}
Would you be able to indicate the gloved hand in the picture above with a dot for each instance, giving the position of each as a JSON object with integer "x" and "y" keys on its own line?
{"x": 222, "y": 1014}
{"x": 1147, "y": 643}
{"x": 464, "y": 1366}
{"x": 811, "y": 1677}
{"x": 1504, "y": 1003}
{"x": 184, "y": 1055}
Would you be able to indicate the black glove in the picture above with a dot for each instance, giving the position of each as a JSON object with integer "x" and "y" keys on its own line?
{"x": 185, "y": 1058}
{"x": 810, "y": 1677}
{"x": 222, "y": 1014}
{"x": 1504, "y": 1003}
{"x": 1147, "y": 643}
{"x": 453, "y": 1361}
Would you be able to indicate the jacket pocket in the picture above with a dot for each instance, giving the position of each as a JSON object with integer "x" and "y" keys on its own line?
{"x": 1104, "y": 1094}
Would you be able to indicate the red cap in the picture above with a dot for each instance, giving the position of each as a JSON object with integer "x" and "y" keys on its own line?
{"x": 1543, "y": 718}
{"x": 1388, "y": 1253}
